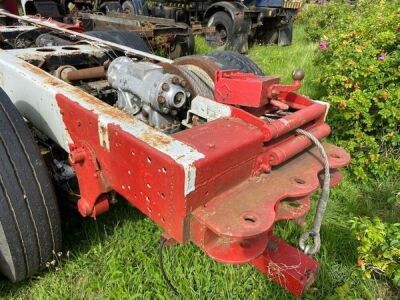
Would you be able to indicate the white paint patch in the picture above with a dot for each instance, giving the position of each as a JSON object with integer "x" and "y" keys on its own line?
{"x": 34, "y": 98}
{"x": 18, "y": 28}
{"x": 182, "y": 153}
{"x": 207, "y": 109}
{"x": 284, "y": 121}
{"x": 186, "y": 156}
{"x": 328, "y": 106}
{"x": 71, "y": 50}
{"x": 103, "y": 135}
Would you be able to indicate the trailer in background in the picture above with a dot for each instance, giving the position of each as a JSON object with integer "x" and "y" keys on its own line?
{"x": 233, "y": 24}
{"x": 165, "y": 37}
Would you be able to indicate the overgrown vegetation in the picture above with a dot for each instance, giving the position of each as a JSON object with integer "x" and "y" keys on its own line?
{"x": 359, "y": 55}
{"x": 201, "y": 46}
{"x": 379, "y": 247}
{"x": 115, "y": 257}
{"x": 359, "y": 59}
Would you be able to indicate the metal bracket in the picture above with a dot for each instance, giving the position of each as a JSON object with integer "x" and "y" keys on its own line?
{"x": 93, "y": 187}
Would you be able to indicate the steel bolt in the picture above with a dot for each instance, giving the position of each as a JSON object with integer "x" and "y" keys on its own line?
{"x": 175, "y": 80}
{"x": 77, "y": 156}
{"x": 145, "y": 111}
{"x": 161, "y": 99}
{"x": 165, "y": 86}
{"x": 265, "y": 168}
{"x": 178, "y": 98}
{"x": 183, "y": 83}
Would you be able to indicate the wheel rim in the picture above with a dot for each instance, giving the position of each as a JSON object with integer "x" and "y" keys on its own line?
{"x": 222, "y": 34}
{"x": 127, "y": 9}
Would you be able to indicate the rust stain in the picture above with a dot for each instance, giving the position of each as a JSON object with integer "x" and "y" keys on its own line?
{"x": 156, "y": 140}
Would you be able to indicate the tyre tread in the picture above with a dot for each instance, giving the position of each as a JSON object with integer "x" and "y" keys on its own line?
{"x": 36, "y": 216}
{"x": 235, "y": 60}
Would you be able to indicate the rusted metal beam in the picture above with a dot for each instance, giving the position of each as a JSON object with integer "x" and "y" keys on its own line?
{"x": 147, "y": 19}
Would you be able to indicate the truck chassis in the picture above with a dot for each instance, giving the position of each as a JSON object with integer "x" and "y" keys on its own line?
{"x": 162, "y": 35}
{"x": 213, "y": 156}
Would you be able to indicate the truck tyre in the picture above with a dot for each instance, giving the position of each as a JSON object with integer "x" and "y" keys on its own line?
{"x": 182, "y": 46}
{"x": 30, "y": 231}
{"x": 191, "y": 42}
{"x": 286, "y": 34}
{"x": 223, "y": 24}
{"x": 234, "y": 60}
{"x": 270, "y": 36}
{"x": 124, "y": 38}
{"x": 127, "y": 7}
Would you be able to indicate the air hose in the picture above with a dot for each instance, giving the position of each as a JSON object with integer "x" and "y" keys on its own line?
{"x": 163, "y": 273}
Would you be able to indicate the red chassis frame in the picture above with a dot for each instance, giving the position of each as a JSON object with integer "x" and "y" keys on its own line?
{"x": 253, "y": 174}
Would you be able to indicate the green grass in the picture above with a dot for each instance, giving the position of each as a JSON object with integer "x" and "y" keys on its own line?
{"x": 115, "y": 257}
{"x": 201, "y": 46}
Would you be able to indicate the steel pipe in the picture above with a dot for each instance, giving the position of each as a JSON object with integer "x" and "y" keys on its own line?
{"x": 87, "y": 73}
{"x": 295, "y": 120}
{"x": 293, "y": 146}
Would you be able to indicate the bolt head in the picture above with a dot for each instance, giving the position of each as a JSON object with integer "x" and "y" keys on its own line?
{"x": 165, "y": 86}
{"x": 175, "y": 80}
{"x": 161, "y": 99}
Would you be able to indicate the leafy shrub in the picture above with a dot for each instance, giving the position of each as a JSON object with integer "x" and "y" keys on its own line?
{"x": 379, "y": 247}
{"x": 321, "y": 18}
{"x": 359, "y": 58}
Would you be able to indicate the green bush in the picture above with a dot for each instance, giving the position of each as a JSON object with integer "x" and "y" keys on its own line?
{"x": 379, "y": 247}
{"x": 322, "y": 18}
{"x": 359, "y": 60}
{"x": 359, "y": 57}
